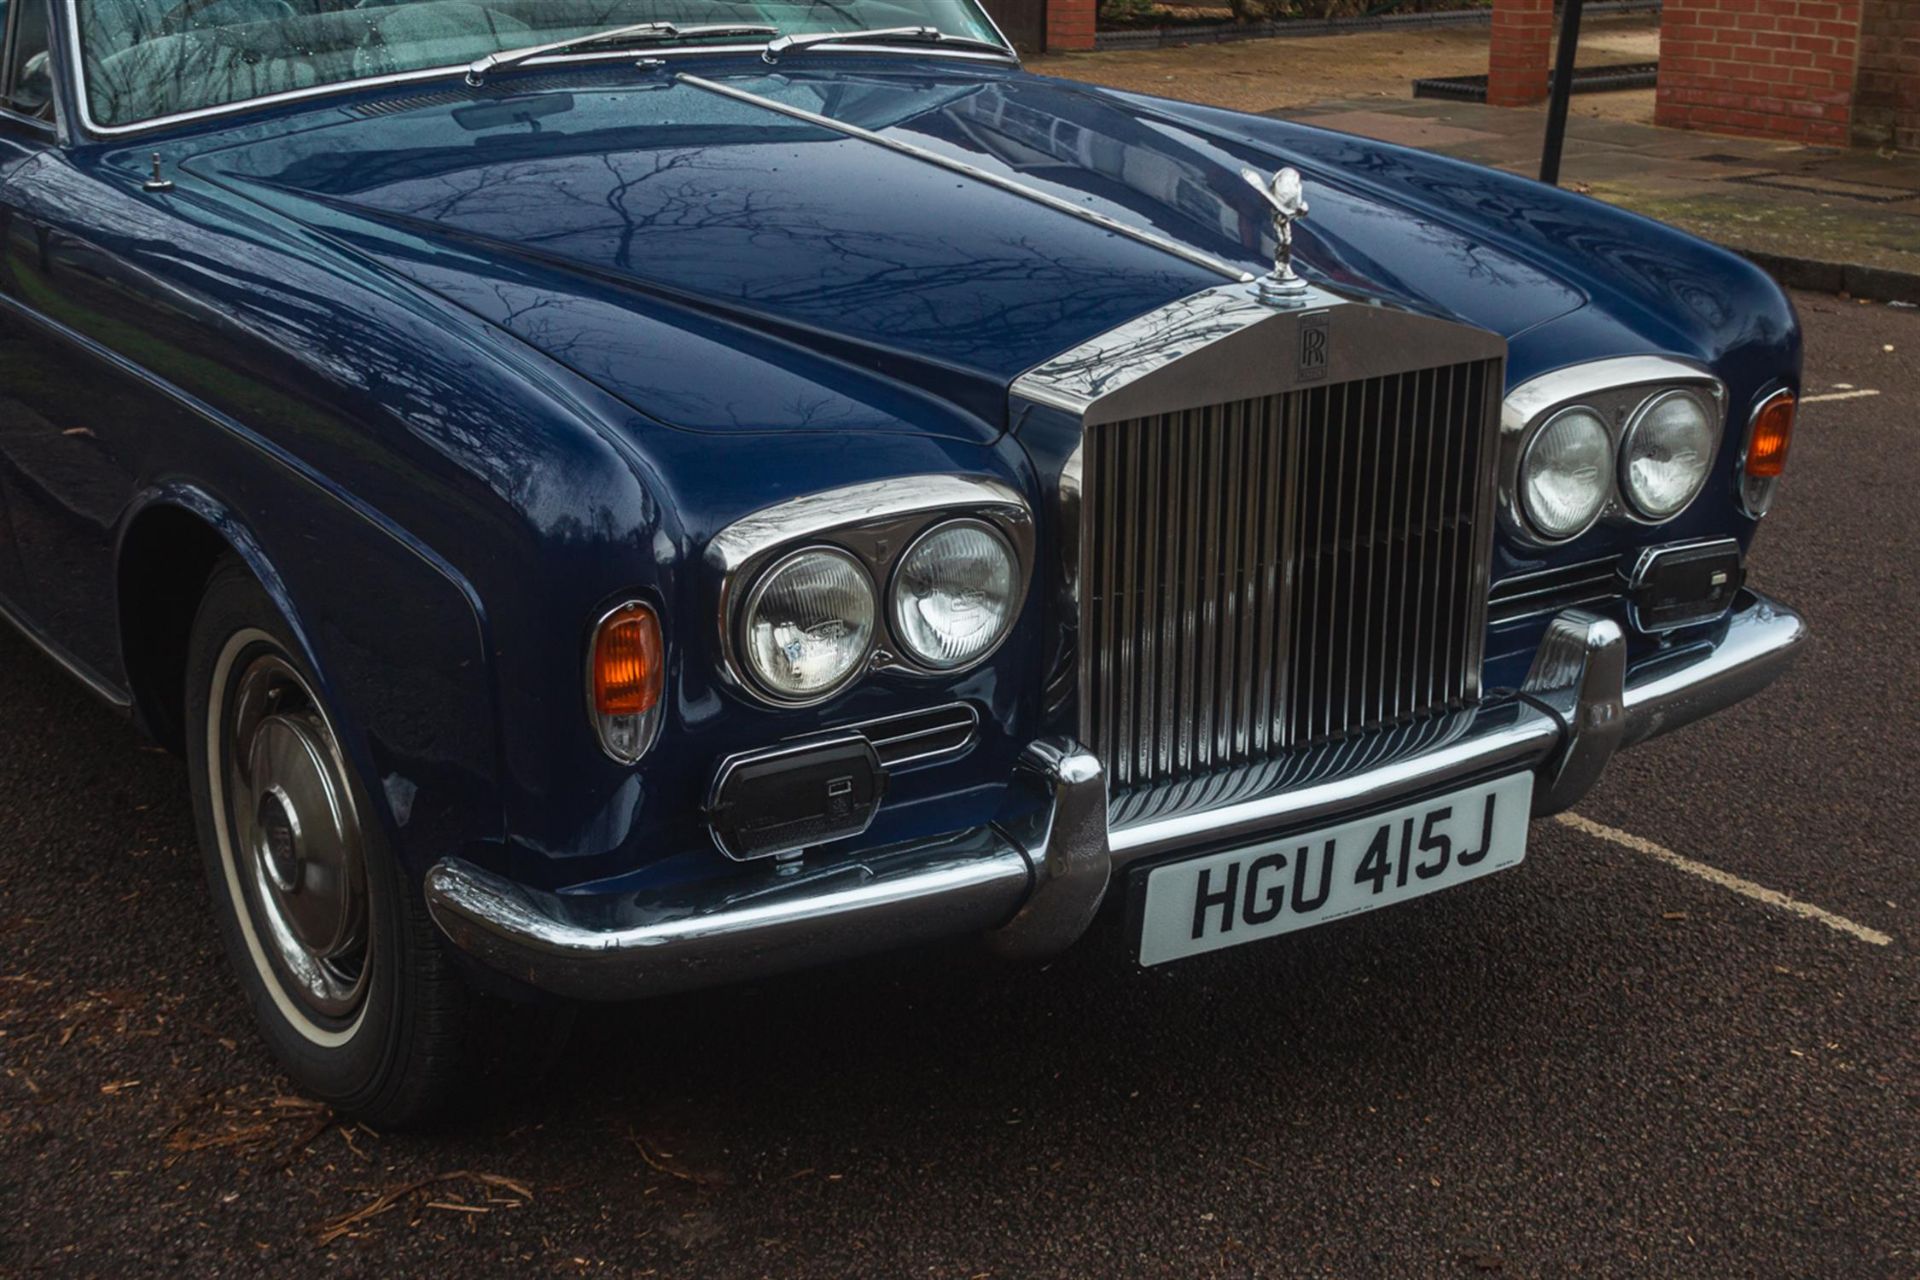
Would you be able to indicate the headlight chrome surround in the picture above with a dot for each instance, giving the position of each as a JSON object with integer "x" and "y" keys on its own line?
{"x": 876, "y": 523}
{"x": 1617, "y": 389}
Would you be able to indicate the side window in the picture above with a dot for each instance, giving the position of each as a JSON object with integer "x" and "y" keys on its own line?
{"x": 29, "y": 80}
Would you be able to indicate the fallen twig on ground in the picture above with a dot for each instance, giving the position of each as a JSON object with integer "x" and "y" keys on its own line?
{"x": 261, "y": 1126}
{"x": 333, "y": 1229}
{"x": 659, "y": 1163}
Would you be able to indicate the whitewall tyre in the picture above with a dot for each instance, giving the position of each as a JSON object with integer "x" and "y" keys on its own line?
{"x": 330, "y": 940}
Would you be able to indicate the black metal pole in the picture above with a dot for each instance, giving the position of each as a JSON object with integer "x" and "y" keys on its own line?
{"x": 1562, "y": 91}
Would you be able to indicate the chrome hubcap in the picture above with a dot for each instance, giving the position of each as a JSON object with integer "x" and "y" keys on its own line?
{"x": 296, "y": 838}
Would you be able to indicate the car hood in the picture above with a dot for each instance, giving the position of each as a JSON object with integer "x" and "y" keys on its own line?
{"x": 720, "y": 266}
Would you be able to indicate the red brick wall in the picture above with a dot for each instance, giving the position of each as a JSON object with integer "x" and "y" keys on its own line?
{"x": 1886, "y": 107}
{"x": 1769, "y": 68}
{"x": 1070, "y": 23}
{"x": 1522, "y": 45}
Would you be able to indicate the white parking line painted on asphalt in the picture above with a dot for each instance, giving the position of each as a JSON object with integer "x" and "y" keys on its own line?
{"x": 1725, "y": 879}
{"x": 1837, "y": 395}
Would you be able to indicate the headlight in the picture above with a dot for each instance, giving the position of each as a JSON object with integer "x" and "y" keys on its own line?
{"x": 1667, "y": 453}
{"x": 808, "y": 623}
{"x": 953, "y": 594}
{"x": 1565, "y": 476}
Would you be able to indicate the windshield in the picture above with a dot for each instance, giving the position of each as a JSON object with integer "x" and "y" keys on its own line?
{"x": 144, "y": 59}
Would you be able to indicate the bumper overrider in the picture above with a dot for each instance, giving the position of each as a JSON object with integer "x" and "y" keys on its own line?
{"x": 1031, "y": 884}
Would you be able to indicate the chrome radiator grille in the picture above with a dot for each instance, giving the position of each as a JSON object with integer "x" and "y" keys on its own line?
{"x": 1279, "y": 572}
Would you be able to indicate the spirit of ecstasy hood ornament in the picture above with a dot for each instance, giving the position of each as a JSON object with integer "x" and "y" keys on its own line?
{"x": 1287, "y": 196}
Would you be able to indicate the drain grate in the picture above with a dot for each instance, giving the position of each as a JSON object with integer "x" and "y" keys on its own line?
{"x": 413, "y": 102}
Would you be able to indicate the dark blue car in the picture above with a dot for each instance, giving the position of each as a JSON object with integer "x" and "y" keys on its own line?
{"x": 614, "y": 497}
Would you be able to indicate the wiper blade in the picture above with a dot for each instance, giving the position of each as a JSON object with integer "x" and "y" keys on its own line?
{"x": 878, "y": 35}
{"x": 478, "y": 68}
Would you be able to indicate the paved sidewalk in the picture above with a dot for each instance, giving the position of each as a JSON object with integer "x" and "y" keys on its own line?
{"x": 1264, "y": 75}
{"x": 1820, "y": 218}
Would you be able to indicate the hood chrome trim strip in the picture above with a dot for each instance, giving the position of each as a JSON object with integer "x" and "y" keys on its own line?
{"x": 1174, "y": 247}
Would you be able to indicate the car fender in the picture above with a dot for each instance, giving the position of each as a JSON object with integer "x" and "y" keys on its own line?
{"x": 408, "y": 686}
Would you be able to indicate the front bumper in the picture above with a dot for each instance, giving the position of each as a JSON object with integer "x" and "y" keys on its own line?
{"x": 1032, "y": 882}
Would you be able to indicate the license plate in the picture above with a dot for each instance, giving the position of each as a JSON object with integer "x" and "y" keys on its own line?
{"x": 1204, "y": 904}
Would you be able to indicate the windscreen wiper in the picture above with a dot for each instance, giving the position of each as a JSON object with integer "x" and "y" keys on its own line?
{"x": 878, "y": 35}
{"x": 478, "y": 68}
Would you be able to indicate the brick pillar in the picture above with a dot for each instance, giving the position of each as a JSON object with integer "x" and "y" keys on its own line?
{"x": 1522, "y": 48}
{"x": 1886, "y": 100}
{"x": 1764, "y": 68}
{"x": 1070, "y": 24}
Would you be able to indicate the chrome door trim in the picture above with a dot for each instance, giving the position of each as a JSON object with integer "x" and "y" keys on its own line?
{"x": 96, "y": 685}
{"x": 961, "y": 167}
{"x": 31, "y": 122}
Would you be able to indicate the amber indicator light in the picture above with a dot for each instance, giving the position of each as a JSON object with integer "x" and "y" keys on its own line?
{"x": 1772, "y": 436}
{"x": 628, "y": 662}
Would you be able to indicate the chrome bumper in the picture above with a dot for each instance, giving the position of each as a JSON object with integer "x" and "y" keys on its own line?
{"x": 1032, "y": 883}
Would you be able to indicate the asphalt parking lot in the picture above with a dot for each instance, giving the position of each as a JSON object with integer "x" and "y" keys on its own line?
{"x": 1607, "y": 1061}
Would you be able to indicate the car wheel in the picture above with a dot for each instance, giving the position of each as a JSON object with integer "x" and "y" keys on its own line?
{"x": 329, "y": 937}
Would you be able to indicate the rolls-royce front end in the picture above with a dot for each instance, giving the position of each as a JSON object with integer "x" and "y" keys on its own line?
{"x": 1271, "y": 566}
{"x": 607, "y": 510}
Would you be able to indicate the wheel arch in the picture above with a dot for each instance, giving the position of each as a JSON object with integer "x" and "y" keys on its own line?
{"x": 395, "y": 639}
{"x": 167, "y": 548}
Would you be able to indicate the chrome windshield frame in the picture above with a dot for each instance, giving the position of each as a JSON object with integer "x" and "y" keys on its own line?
{"x": 456, "y": 71}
